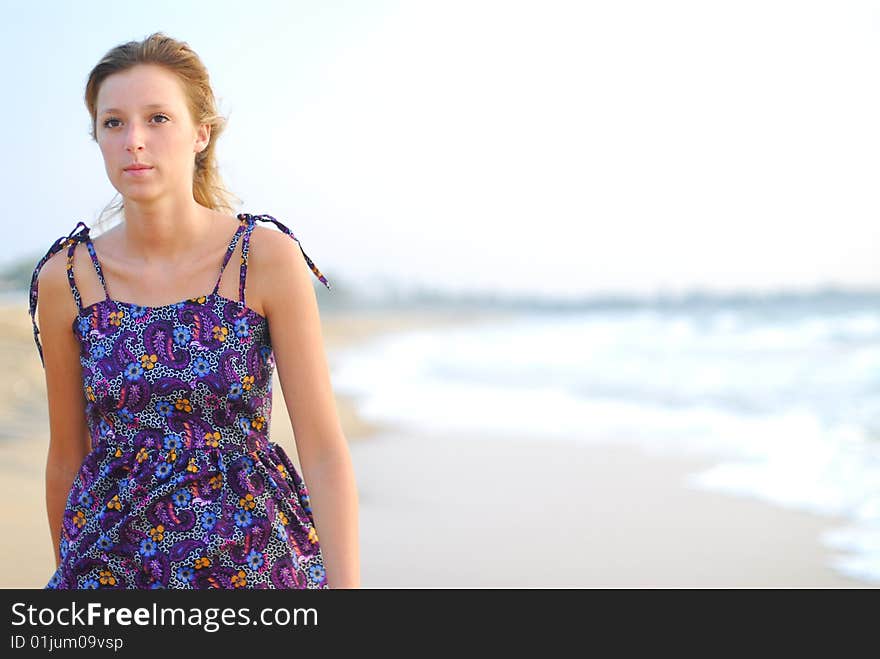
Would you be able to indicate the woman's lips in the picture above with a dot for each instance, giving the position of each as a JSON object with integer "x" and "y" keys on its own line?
{"x": 138, "y": 172}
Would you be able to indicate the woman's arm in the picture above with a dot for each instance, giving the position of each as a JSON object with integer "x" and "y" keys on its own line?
{"x": 69, "y": 440}
{"x": 281, "y": 279}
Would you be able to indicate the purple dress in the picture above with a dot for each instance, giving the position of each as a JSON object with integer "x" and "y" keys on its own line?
{"x": 182, "y": 487}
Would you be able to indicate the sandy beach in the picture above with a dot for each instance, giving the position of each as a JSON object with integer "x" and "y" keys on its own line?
{"x": 469, "y": 511}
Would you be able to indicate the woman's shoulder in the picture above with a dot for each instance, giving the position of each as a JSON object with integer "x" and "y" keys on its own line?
{"x": 269, "y": 244}
{"x": 288, "y": 247}
{"x": 54, "y": 269}
{"x": 52, "y": 303}
{"x": 271, "y": 257}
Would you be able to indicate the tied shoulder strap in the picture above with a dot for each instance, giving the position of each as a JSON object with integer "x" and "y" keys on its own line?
{"x": 312, "y": 266}
{"x": 77, "y": 235}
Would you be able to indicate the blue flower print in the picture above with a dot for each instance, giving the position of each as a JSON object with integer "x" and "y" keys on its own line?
{"x": 104, "y": 542}
{"x": 182, "y": 498}
{"x": 317, "y": 573}
{"x": 163, "y": 470}
{"x": 243, "y": 518}
{"x": 182, "y": 335}
{"x": 186, "y": 573}
{"x": 209, "y": 519}
{"x": 164, "y": 408}
{"x": 265, "y": 351}
{"x": 156, "y": 585}
{"x": 201, "y": 367}
{"x": 97, "y": 351}
{"x": 172, "y": 441}
{"x": 83, "y": 325}
{"x": 148, "y": 547}
{"x": 255, "y": 559}
{"x": 240, "y": 327}
{"x": 245, "y": 424}
{"x": 137, "y": 311}
{"x": 133, "y": 371}
{"x": 91, "y": 584}
{"x": 235, "y": 391}
{"x": 85, "y": 499}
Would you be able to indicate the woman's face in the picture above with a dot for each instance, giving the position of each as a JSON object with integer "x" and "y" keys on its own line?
{"x": 142, "y": 117}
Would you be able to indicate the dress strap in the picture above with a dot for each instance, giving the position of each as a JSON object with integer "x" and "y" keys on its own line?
{"x": 90, "y": 247}
{"x": 242, "y": 227}
{"x": 251, "y": 223}
{"x": 70, "y": 240}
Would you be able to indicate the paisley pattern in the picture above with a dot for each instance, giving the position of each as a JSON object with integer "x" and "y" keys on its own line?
{"x": 182, "y": 487}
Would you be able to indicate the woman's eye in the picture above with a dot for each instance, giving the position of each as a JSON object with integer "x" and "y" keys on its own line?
{"x": 106, "y": 123}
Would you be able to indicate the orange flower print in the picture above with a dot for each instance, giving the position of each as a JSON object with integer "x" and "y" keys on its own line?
{"x": 141, "y": 455}
{"x": 257, "y": 422}
{"x": 148, "y": 361}
{"x": 172, "y": 455}
{"x": 202, "y": 561}
{"x": 247, "y": 382}
{"x": 239, "y": 580}
{"x": 106, "y": 577}
{"x": 282, "y": 470}
{"x": 220, "y": 332}
{"x": 157, "y": 533}
{"x": 90, "y": 393}
{"x": 212, "y": 439}
{"x": 79, "y": 519}
{"x": 192, "y": 467}
{"x": 313, "y": 535}
{"x": 118, "y": 453}
{"x": 68, "y": 243}
{"x": 216, "y": 482}
{"x": 183, "y": 404}
{"x": 198, "y": 300}
{"x": 116, "y": 317}
{"x": 247, "y": 502}
{"x": 283, "y": 518}
{"x": 115, "y": 503}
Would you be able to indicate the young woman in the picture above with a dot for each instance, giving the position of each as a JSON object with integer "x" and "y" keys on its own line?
{"x": 160, "y": 472}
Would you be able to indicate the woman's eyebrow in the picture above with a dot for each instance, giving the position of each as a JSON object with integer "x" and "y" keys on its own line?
{"x": 151, "y": 105}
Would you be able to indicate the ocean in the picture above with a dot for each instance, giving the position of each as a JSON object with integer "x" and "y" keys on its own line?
{"x": 783, "y": 392}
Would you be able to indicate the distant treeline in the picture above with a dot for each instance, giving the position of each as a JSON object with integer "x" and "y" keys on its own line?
{"x": 389, "y": 293}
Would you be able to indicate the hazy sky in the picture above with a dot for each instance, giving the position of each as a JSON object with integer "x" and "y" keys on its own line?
{"x": 565, "y": 147}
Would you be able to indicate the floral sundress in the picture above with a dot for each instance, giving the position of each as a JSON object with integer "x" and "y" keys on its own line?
{"x": 182, "y": 487}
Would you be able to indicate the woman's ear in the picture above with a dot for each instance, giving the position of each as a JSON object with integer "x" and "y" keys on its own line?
{"x": 203, "y": 137}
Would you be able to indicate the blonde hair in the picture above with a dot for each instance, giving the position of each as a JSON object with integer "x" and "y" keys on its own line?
{"x": 178, "y": 58}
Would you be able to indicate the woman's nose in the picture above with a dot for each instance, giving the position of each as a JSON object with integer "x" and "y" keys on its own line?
{"x": 133, "y": 140}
